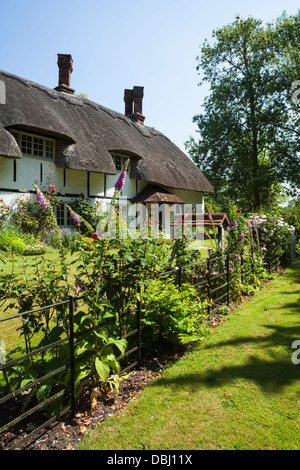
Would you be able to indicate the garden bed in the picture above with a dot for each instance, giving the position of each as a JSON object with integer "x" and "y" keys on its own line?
{"x": 65, "y": 434}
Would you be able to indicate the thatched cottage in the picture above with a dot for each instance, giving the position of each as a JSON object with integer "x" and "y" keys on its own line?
{"x": 53, "y": 135}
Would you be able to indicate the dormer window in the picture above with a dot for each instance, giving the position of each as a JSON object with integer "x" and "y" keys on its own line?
{"x": 34, "y": 145}
{"x": 119, "y": 161}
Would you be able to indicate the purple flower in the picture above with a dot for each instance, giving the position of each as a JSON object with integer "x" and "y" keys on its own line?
{"x": 42, "y": 200}
{"x": 121, "y": 180}
{"x": 235, "y": 224}
{"x": 242, "y": 236}
{"x": 209, "y": 215}
{"x": 75, "y": 217}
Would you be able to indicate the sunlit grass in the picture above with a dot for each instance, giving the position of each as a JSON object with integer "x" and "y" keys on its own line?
{"x": 239, "y": 389}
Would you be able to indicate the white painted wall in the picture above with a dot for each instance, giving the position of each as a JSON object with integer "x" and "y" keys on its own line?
{"x": 70, "y": 183}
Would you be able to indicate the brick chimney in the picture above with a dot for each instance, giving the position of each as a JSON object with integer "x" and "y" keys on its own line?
{"x": 128, "y": 98}
{"x": 65, "y": 68}
{"x": 133, "y": 104}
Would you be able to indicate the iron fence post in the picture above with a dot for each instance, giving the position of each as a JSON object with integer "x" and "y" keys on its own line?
{"x": 138, "y": 319}
{"x": 72, "y": 355}
{"x": 208, "y": 285}
{"x": 228, "y": 279}
{"x": 179, "y": 276}
{"x": 242, "y": 265}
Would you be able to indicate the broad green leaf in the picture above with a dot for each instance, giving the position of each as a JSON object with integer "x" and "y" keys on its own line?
{"x": 102, "y": 368}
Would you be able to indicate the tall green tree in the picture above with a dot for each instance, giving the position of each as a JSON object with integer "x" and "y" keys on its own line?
{"x": 249, "y": 131}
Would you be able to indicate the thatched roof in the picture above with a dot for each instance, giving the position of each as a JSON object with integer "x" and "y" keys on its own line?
{"x": 88, "y": 134}
{"x": 8, "y": 145}
{"x": 156, "y": 194}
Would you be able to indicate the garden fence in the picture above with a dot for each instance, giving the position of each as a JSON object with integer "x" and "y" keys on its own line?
{"x": 14, "y": 401}
{"x": 212, "y": 279}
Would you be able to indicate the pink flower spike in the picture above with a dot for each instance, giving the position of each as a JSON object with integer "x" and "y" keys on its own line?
{"x": 42, "y": 200}
{"x": 75, "y": 217}
{"x": 121, "y": 180}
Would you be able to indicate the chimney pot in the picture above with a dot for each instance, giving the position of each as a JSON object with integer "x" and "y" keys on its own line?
{"x": 65, "y": 68}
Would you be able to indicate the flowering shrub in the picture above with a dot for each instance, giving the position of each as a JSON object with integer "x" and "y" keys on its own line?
{"x": 34, "y": 249}
{"x": 5, "y": 211}
{"x": 30, "y": 215}
{"x": 70, "y": 238}
{"x": 254, "y": 244}
{"x": 273, "y": 236}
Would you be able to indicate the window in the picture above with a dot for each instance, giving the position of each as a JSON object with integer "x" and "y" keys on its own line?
{"x": 119, "y": 161}
{"x": 60, "y": 214}
{"x": 35, "y": 146}
{"x": 63, "y": 216}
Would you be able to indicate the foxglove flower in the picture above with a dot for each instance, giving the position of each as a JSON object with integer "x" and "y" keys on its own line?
{"x": 41, "y": 199}
{"x": 75, "y": 217}
{"x": 121, "y": 180}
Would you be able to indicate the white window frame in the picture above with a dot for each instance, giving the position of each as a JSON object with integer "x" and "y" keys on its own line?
{"x": 67, "y": 219}
{"x": 41, "y": 141}
{"x": 119, "y": 162}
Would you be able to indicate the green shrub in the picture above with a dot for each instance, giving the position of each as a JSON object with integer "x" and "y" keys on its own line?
{"x": 174, "y": 316}
{"x": 87, "y": 211}
{"x": 12, "y": 241}
{"x": 16, "y": 245}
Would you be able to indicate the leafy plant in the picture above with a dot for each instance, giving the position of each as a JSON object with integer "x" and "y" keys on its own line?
{"x": 5, "y": 211}
{"x": 174, "y": 316}
{"x": 11, "y": 240}
{"x": 87, "y": 211}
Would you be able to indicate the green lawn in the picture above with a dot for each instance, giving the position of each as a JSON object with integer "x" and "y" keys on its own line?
{"x": 21, "y": 266}
{"x": 239, "y": 389}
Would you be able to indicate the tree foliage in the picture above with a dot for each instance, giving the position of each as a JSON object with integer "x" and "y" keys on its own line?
{"x": 249, "y": 130}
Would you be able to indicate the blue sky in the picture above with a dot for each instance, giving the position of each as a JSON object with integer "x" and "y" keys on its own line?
{"x": 119, "y": 44}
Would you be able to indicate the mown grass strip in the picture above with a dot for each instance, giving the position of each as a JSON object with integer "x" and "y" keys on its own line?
{"x": 238, "y": 390}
